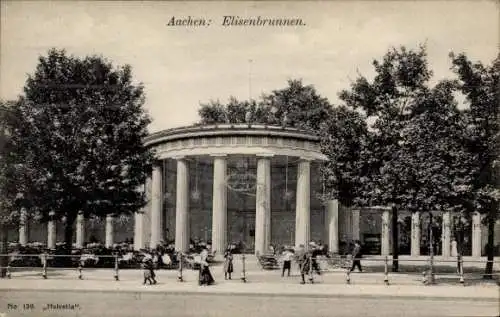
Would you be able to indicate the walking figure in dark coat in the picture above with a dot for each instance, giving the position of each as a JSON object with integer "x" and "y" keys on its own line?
{"x": 356, "y": 256}
{"x": 306, "y": 267}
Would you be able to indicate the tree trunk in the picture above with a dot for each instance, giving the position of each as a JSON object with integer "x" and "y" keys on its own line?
{"x": 490, "y": 248}
{"x": 68, "y": 239}
{"x": 395, "y": 240}
{"x": 4, "y": 260}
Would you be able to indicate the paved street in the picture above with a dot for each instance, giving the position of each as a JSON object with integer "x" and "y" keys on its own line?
{"x": 164, "y": 304}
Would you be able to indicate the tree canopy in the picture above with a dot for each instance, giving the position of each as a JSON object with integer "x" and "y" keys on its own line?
{"x": 9, "y": 214}
{"x": 79, "y": 139}
{"x": 297, "y": 106}
{"x": 480, "y": 85}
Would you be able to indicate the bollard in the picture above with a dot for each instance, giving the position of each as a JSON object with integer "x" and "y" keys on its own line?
{"x": 311, "y": 279}
{"x": 386, "y": 271}
{"x": 44, "y": 262}
{"x": 8, "y": 272}
{"x": 243, "y": 271}
{"x": 431, "y": 278}
{"x": 179, "y": 274}
{"x": 80, "y": 271}
{"x": 461, "y": 261}
{"x": 116, "y": 268}
{"x": 348, "y": 277}
{"x": 199, "y": 275}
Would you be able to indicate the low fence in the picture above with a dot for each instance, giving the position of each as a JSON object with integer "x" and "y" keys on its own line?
{"x": 345, "y": 266}
{"x": 337, "y": 265}
{"x": 44, "y": 260}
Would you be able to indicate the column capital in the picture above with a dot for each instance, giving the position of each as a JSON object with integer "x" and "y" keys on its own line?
{"x": 179, "y": 157}
{"x": 218, "y": 155}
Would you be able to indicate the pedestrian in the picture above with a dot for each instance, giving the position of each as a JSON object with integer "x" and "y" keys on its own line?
{"x": 305, "y": 268}
{"x": 315, "y": 252}
{"x": 228, "y": 263}
{"x": 356, "y": 256}
{"x": 147, "y": 266}
{"x": 300, "y": 256}
{"x": 205, "y": 277}
{"x": 287, "y": 261}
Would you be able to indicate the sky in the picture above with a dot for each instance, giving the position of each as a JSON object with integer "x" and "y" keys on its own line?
{"x": 183, "y": 66}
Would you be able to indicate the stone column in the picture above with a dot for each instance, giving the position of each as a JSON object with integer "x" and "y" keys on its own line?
{"x": 263, "y": 205}
{"x": 219, "y": 206}
{"x": 476, "y": 234}
{"x": 415, "y": 233}
{"x": 23, "y": 227}
{"x": 156, "y": 205}
{"x": 51, "y": 232}
{"x": 138, "y": 230}
{"x": 355, "y": 214}
{"x": 497, "y": 232}
{"x": 303, "y": 205}
{"x": 110, "y": 232}
{"x": 446, "y": 235}
{"x": 182, "y": 207}
{"x": 454, "y": 251}
{"x": 345, "y": 224}
{"x": 80, "y": 230}
{"x": 141, "y": 228}
{"x": 332, "y": 222}
{"x": 386, "y": 232}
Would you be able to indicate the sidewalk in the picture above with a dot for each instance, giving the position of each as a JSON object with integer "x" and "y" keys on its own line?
{"x": 259, "y": 283}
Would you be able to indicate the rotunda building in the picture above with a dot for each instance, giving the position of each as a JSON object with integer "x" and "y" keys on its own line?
{"x": 252, "y": 185}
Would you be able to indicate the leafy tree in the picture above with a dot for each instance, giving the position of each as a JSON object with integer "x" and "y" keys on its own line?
{"x": 344, "y": 135}
{"x": 407, "y": 168}
{"x": 481, "y": 87}
{"x": 9, "y": 215}
{"x": 296, "y": 106}
{"x": 440, "y": 169}
{"x": 79, "y": 139}
{"x": 400, "y": 81}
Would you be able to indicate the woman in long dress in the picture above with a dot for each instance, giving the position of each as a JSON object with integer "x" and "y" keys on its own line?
{"x": 228, "y": 263}
{"x": 206, "y": 277}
